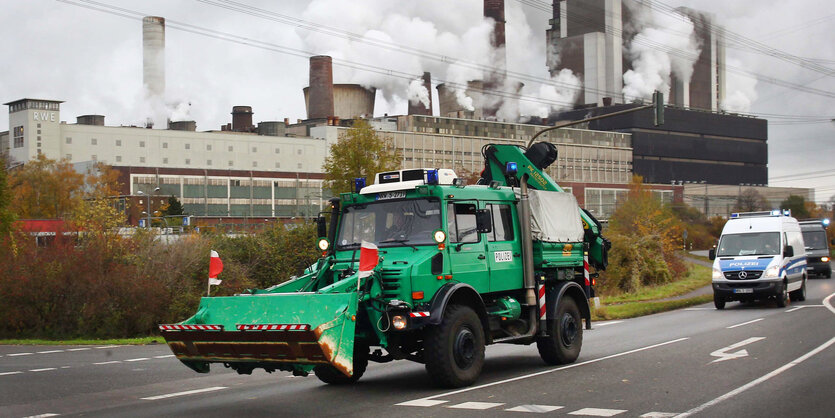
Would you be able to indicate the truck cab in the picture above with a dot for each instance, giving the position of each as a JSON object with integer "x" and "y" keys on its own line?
{"x": 760, "y": 255}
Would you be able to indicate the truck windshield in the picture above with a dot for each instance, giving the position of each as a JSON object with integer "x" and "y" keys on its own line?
{"x": 390, "y": 224}
{"x": 760, "y": 243}
{"x": 815, "y": 240}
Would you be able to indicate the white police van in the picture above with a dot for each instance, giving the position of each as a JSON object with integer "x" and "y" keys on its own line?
{"x": 760, "y": 255}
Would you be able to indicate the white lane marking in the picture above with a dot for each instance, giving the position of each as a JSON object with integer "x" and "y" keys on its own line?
{"x": 723, "y": 353}
{"x": 699, "y": 309}
{"x": 745, "y": 323}
{"x": 603, "y": 324}
{"x": 137, "y": 359}
{"x": 188, "y": 392}
{"x": 109, "y": 346}
{"x": 768, "y": 376}
{"x": 19, "y": 354}
{"x": 9, "y": 373}
{"x": 50, "y": 351}
{"x": 794, "y": 309}
{"x": 65, "y": 367}
{"x": 78, "y": 349}
{"x": 597, "y": 412}
{"x": 107, "y": 362}
{"x": 570, "y": 366}
{"x": 49, "y": 414}
{"x": 44, "y": 369}
{"x": 659, "y": 415}
{"x": 422, "y": 402}
{"x": 167, "y": 356}
{"x": 476, "y": 405}
{"x": 541, "y": 409}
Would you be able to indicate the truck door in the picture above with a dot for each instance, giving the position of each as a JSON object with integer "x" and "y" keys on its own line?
{"x": 504, "y": 252}
{"x": 467, "y": 257}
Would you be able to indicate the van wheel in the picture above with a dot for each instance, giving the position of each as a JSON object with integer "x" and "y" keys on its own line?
{"x": 454, "y": 349}
{"x": 718, "y": 302}
{"x": 799, "y": 295}
{"x": 330, "y": 375}
{"x": 565, "y": 336}
{"x": 783, "y": 296}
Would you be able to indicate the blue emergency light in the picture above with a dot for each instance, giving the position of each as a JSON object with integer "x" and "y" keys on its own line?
{"x": 825, "y": 222}
{"x": 734, "y": 215}
{"x": 511, "y": 168}
{"x": 775, "y": 212}
{"x": 359, "y": 183}
{"x": 431, "y": 176}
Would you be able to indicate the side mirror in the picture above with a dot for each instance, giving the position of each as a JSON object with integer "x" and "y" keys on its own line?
{"x": 711, "y": 254}
{"x": 788, "y": 251}
{"x": 321, "y": 227}
{"x": 483, "y": 221}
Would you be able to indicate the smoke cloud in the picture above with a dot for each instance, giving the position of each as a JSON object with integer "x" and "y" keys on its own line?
{"x": 740, "y": 91}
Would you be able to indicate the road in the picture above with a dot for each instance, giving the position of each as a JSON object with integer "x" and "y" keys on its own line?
{"x": 745, "y": 361}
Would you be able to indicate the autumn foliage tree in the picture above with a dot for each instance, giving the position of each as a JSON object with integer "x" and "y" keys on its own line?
{"x": 360, "y": 152}
{"x": 645, "y": 235}
{"x": 6, "y": 215}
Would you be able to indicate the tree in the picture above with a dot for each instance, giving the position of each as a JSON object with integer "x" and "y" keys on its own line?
{"x": 797, "y": 204}
{"x": 360, "y": 152}
{"x": 96, "y": 213}
{"x": 750, "y": 200}
{"x": 45, "y": 189}
{"x": 175, "y": 208}
{"x": 6, "y": 215}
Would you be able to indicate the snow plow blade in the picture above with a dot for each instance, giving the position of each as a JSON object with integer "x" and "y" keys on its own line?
{"x": 288, "y": 331}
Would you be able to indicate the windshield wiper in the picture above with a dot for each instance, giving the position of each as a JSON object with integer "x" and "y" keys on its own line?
{"x": 399, "y": 241}
{"x": 351, "y": 246}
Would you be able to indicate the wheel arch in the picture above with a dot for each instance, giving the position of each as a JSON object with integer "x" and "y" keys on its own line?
{"x": 459, "y": 294}
{"x": 569, "y": 289}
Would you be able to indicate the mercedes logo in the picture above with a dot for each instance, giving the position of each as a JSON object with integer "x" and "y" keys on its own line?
{"x": 743, "y": 275}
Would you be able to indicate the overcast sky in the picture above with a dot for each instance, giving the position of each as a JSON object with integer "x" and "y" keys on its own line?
{"x": 93, "y": 60}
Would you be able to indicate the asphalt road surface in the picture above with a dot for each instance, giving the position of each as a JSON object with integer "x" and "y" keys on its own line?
{"x": 749, "y": 360}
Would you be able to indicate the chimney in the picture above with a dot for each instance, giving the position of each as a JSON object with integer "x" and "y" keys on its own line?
{"x": 320, "y": 98}
{"x": 494, "y": 9}
{"x": 607, "y": 101}
{"x": 242, "y": 118}
{"x": 153, "y": 55}
{"x": 418, "y": 108}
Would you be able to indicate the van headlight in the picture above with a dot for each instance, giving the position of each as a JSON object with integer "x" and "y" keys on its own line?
{"x": 773, "y": 271}
{"x": 717, "y": 274}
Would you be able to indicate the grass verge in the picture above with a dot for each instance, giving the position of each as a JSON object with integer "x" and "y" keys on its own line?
{"x": 631, "y": 310}
{"x": 86, "y": 341}
{"x": 696, "y": 278}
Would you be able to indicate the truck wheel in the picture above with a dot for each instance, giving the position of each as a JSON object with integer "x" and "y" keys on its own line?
{"x": 330, "y": 375}
{"x": 783, "y": 296}
{"x": 718, "y": 302}
{"x": 454, "y": 349}
{"x": 799, "y": 295}
{"x": 565, "y": 338}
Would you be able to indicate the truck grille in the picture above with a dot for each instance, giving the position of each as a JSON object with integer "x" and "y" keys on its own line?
{"x": 391, "y": 283}
{"x": 748, "y": 274}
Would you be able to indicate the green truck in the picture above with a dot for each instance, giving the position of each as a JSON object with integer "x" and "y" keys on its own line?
{"x": 458, "y": 267}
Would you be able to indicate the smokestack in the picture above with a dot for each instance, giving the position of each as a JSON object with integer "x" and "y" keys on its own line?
{"x": 320, "y": 101}
{"x": 418, "y": 108}
{"x": 494, "y": 9}
{"x": 242, "y": 118}
{"x": 153, "y": 55}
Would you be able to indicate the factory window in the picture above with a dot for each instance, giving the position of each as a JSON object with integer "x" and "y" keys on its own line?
{"x": 188, "y": 146}
{"x": 277, "y": 165}
{"x": 141, "y": 144}
{"x": 278, "y": 151}
{"x": 39, "y": 138}
{"x": 18, "y": 136}
{"x": 93, "y": 141}
{"x": 208, "y": 162}
{"x": 188, "y": 161}
{"x": 165, "y": 145}
{"x": 231, "y": 163}
{"x": 39, "y": 131}
{"x": 69, "y": 156}
{"x": 69, "y": 140}
{"x": 300, "y": 165}
{"x": 118, "y": 158}
{"x": 141, "y": 159}
{"x": 299, "y": 152}
{"x": 208, "y": 147}
{"x": 39, "y": 125}
{"x": 165, "y": 160}
{"x": 118, "y": 142}
{"x": 254, "y": 149}
{"x": 255, "y": 163}
{"x": 230, "y": 150}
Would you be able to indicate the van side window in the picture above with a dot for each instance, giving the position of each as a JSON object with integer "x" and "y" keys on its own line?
{"x": 502, "y": 223}
{"x": 461, "y": 223}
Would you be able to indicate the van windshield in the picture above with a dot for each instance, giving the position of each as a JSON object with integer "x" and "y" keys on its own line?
{"x": 758, "y": 243}
{"x": 815, "y": 240}
{"x": 390, "y": 223}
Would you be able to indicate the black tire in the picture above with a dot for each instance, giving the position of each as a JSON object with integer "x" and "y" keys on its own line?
{"x": 783, "y": 296}
{"x": 454, "y": 349}
{"x": 332, "y": 376}
{"x": 799, "y": 295}
{"x": 829, "y": 274}
{"x": 565, "y": 336}
{"x": 718, "y": 302}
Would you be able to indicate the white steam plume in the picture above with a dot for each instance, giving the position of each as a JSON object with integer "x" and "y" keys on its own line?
{"x": 740, "y": 91}
{"x": 418, "y": 93}
{"x": 561, "y": 93}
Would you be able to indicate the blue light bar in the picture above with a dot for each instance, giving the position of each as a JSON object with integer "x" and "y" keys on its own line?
{"x": 511, "y": 168}
{"x": 359, "y": 183}
{"x": 734, "y": 215}
{"x": 431, "y": 176}
{"x": 787, "y": 212}
{"x": 825, "y": 222}
{"x": 775, "y": 212}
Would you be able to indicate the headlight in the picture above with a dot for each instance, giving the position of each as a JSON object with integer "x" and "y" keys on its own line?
{"x": 440, "y": 236}
{"x": 323, "y": 244}
{"x": 773, "y": 271}
{"x": 399, "y": 322}
{"x": 717, "y": 274}
{"x": 825, "y": 259}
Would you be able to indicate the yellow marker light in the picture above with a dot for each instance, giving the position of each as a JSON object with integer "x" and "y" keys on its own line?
{"x": 399, "y": 322}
